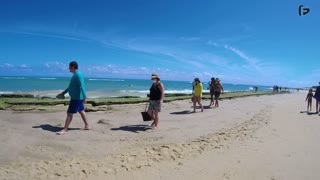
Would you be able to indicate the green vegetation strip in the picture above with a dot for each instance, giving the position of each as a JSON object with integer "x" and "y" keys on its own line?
{"x": 11, "y": 103}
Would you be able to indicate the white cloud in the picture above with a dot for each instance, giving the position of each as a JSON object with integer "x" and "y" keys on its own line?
{"x": 190, "y": 38}
{"x": 188, "y": 56}
{"x": 23, "y": 66}
{"x": 58, "y": 68}
{"x": 241, "y": 54}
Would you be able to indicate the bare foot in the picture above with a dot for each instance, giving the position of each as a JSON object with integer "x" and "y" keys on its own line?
{"x": 62, "y": 132}
{"x": 85, "y": 129}
{"x": 154, "y": 127}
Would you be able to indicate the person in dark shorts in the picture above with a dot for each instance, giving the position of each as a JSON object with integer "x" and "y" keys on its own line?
{"x": 218, "y": 89}
{"x": 78, "y": 96}
{"x": 211, "y": 87}
{"x": 317, "y": 97}
{"x": 155, "y": 99}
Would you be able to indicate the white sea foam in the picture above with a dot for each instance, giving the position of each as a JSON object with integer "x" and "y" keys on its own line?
{"x": 112, "y": 80}
{"x": 48, "y": 78}
{"x": 13, "y": 77}
{"x": 6, "y": 92}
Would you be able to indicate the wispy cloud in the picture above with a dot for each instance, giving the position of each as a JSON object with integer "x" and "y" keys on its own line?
{"x": 7, "y": 65}
{"x": 251, "y": 61}
{"x": 233, "y": 39}
{"x": 190, "y": 38}
{"x": 49, "y": 35}
{"x": 182, "y": 56}
{"x": 22, "y": 68}
{"x": 248, "y": 70}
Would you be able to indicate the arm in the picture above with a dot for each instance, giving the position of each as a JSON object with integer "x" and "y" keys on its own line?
{"x": 65, "y": 91}
{"x": 222, "y": 89}
{"x": 82, "y": 88}
{"x": 161, "y": 86}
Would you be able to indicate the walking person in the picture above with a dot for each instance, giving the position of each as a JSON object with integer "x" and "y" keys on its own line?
{"x": 218, "y": 89}
{"x": 211, "y": 87}
{"x": 309, "y": 99}
{"x": 317, "y": 97}
{"x": 78, "y": 96}
{"x": 156, "y": 99}
{"x": 197, "y": 95}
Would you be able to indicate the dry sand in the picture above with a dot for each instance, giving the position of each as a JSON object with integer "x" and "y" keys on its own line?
{"x": 258, "y": 138}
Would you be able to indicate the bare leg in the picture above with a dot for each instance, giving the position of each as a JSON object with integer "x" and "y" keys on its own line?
{"x": 199, "y": 102}
{"x": 151, "y": 114}
{"x": 195, "y": 99}
{"x": 84, "y": 118}
{"x": 156, "y": 119}
{"x": 67, "y": 124}
{"x": 212, "y": 101}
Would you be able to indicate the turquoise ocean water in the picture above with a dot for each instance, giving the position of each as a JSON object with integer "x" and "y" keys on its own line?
{"x": 103, "y": 87}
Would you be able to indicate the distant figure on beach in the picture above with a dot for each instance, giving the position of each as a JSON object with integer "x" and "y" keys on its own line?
{"x": 78, "y": 96}
{"x": 255, "y": 88}
{"x": 275, "y": 89}
{"x": 317, "y": 97}
{"x": 155, "y": 99}
{"x": 309, "y": 99}
{"x": 211, "y": 87}
{"x": 218, "y": 89}
{"x": 197, "y": 95}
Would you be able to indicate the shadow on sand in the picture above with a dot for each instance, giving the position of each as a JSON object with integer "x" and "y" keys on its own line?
{"x": 48, "y": 127}
{"x": 133, "y": 128}
{"x": 312, "y": 113}
{"x": 309, "y": 113}
{"x": 182, "y": 112}
{"x": 204, "y": 107}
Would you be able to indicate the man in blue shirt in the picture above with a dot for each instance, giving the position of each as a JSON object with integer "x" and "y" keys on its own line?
{"x": 78, "y": 96}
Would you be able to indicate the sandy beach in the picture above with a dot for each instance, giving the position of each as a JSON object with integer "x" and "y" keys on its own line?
{"x": 265, "y": 138}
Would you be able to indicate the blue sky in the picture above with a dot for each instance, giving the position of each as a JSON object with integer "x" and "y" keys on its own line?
{"x": 242, "y": 42}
